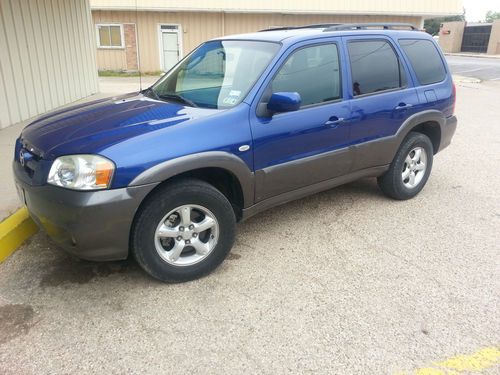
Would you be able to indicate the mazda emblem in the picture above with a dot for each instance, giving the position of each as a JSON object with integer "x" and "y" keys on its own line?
{"x": 21, "y": 157}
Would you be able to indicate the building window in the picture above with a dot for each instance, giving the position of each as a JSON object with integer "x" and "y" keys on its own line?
{"x": 109, "y": 36}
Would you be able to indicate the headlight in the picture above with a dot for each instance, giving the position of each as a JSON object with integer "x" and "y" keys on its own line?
{"x": 81, "y": 172}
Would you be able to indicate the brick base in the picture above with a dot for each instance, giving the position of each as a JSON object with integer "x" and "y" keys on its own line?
{"x": 130, "y": 47}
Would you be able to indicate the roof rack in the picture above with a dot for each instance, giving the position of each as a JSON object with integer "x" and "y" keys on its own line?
{"x": 365, "y": 26}
{"x": 347, "y": 26}
{"x": 313, "y": 26}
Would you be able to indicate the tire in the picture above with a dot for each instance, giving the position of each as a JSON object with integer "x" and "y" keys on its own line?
{"x": 397, "y": 181}
{"x": 172, "y": 251}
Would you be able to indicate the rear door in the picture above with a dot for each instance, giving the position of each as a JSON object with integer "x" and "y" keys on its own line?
{"x": 434, "y": 83}
{"x": 296, "y": 149}
{"x": 382, "y": 96}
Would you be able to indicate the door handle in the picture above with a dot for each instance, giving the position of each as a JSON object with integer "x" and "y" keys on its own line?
{"x": 403, "y": 106}
{"x": 334, "y": 121}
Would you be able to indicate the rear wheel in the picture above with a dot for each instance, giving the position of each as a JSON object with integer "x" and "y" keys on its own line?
{"x": 183, "y": 231}
{"x": 410, "y": 169}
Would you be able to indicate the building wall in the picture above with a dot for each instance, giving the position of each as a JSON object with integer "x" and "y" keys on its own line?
{"x": 494, "y": 43}
{"x": 450, "y": 36}
{"x": 198, "y": 27}
{"x": 47, "y": 56}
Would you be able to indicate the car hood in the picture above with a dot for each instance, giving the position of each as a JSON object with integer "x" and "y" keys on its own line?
{"x": 94, "y": 126}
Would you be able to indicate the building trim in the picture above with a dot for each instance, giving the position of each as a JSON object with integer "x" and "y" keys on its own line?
{"x": 277, "y": 11}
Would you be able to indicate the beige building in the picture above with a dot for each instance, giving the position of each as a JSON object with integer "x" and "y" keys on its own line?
{"x": 157, "y": 33}
{"x": 47, "y": 56}
{"x": 459, "y": 36}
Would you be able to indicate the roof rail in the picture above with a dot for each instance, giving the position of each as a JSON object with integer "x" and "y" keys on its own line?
{"x": 313, "y": 26}
{"x": 365, "y": 26}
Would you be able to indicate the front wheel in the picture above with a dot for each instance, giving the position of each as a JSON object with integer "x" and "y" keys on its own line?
{"x": 183, "y": 231}
{"x": 410, "y": 169}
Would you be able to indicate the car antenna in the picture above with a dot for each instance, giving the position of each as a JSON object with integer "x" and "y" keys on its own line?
{"x": 137, "y": 45}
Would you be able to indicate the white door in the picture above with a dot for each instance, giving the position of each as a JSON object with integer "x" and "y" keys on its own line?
{"x": 169, "y": 47}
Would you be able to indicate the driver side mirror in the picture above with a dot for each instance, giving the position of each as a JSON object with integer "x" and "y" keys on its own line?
{"x": 284, "y": 102}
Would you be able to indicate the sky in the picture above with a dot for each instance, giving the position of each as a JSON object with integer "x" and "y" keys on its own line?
{"x": 475, "y": 10}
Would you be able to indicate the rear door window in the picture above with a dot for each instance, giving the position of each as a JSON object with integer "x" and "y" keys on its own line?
{"x": 425, "y": 60}
{"x": 375, "y": 67}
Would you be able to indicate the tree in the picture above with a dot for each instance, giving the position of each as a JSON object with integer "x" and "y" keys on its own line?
{"x": 432, "y": 25}
{"x": 492, "y": 16}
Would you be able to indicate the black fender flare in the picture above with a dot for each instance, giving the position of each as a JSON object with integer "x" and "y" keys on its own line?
{"x": 210, "y": 159}
{"x": 420, "y": 118}
{"x": 381, "y": 151}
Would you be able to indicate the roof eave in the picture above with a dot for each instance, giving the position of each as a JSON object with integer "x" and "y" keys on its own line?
{"x": 329, "y": 13}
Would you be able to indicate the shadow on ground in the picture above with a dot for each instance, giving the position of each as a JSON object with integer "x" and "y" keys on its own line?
{"x": 66, "y": 269}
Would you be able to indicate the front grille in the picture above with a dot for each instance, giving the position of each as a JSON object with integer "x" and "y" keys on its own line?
{"x": 29, "y": 164}
{"x": 31, "y": 149}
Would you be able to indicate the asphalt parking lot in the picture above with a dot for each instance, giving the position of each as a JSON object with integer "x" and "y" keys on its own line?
{"x": 343, "y": 282}
{"x": 483, "y": 68}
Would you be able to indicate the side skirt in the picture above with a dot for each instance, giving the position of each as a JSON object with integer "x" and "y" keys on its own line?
{"x": 312, "y": 189}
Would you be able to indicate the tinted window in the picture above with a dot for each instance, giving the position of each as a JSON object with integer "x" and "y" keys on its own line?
{"x": 425, "y": 60}
{"x": 374, "y": 67}
{"x": 313, "y": 72}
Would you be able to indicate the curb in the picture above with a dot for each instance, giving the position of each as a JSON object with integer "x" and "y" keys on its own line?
{"x": 480, "y": 56}
{"x": 463, "y": 79}
{"x": 14, "y": 230}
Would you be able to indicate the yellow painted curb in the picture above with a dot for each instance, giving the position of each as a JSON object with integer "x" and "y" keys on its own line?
{"x": 14, "y": 230}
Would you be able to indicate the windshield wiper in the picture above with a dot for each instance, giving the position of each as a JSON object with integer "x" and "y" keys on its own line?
{"x": 177, "y": 97}
{"x": 168, "y": 96}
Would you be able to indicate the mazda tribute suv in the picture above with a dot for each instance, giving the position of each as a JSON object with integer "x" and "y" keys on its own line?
{"x": 241, "y": 124}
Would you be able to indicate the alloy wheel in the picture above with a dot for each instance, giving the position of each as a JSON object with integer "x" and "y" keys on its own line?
{"x": 414, "y": 167}
{"x": 186, "y": 235}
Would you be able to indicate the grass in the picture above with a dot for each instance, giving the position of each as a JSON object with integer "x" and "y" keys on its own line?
{"x": 124, "y": 73}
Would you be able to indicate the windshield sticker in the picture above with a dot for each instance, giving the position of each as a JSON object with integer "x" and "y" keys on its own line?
{"x": 234, "y": 93}
{"x": 230, "y": 100}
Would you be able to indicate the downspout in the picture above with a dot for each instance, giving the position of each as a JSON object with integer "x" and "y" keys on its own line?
{"x": 223, "y": 25}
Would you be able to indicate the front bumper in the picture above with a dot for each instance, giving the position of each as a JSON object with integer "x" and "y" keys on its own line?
{"x": 447, "y": 132}
{"x": 93, "y": 225}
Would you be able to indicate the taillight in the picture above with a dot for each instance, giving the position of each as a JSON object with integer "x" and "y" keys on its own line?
{"x": 454, "y": 95}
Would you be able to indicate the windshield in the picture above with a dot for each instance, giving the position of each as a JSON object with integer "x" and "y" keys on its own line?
{"x": 218, "y": 74}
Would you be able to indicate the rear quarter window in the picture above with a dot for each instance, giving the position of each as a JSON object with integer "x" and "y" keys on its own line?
{"x": 425, "y": 60}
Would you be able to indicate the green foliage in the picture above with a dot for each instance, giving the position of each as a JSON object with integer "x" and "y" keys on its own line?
{"x": 432, "y": 25}
{"x": 492, "y": 16}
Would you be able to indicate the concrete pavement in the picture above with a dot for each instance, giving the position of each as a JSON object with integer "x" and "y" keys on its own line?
{"x": 343, "y": 282}
{"x": 479, "y": 67}
{"x": 471, "y": 54}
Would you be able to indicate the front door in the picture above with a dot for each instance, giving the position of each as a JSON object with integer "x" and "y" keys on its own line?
{"x": 296, "y": 149}
{"x": 170, "y": 51}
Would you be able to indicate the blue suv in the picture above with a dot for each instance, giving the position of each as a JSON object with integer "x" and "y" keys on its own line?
{"x": 242, "y": 124}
